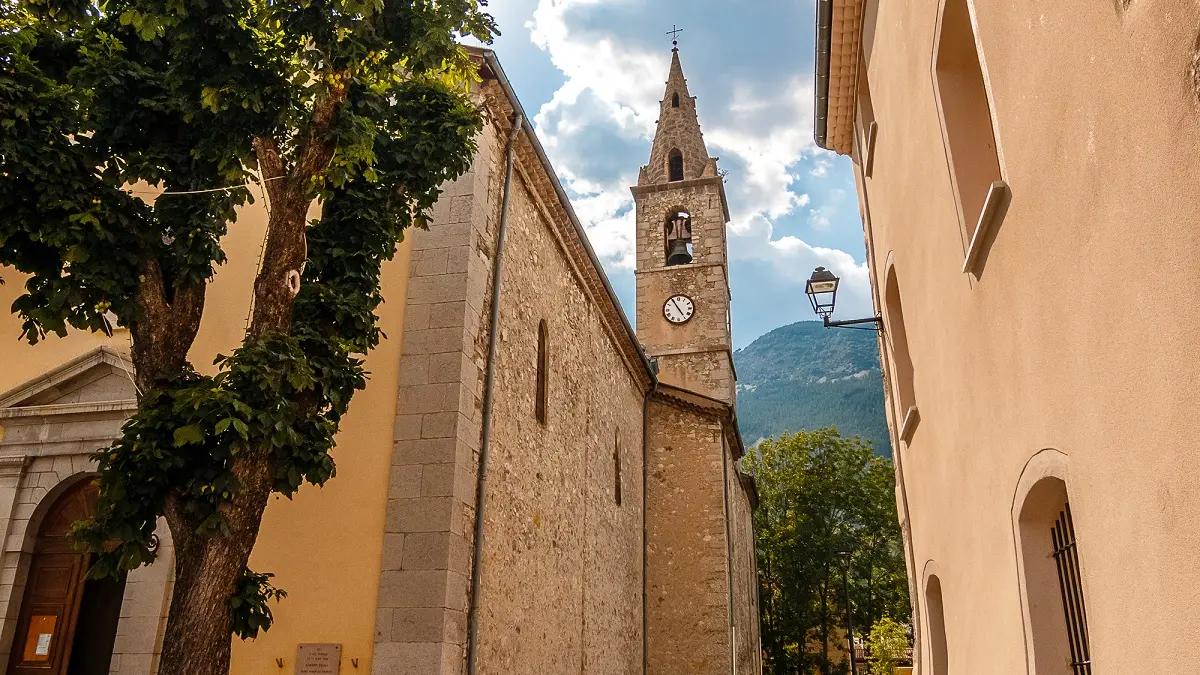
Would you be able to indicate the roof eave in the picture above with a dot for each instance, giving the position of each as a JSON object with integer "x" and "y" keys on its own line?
{"x": 835, "y": 76}
{"x": 493, "y": 65}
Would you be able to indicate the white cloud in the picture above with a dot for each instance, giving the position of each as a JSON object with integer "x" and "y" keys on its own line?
{"x": 793, "y": 260}
{"x": 598, "y": 124}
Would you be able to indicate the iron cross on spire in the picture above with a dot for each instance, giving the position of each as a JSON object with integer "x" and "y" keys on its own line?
{"x": 674, "y": 33}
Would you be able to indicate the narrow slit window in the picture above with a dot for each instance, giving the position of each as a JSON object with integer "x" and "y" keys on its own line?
{"x": 617, "y": 470}
{"x": 543, "y": 365}
{"x": 675, "y": 165}
{"x": 1066, "y": 559}
{"x": 675, "y": 100}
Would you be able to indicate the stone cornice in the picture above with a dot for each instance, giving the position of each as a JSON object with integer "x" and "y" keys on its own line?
{"x": 56, "y": 409}
{"x": 13, "y": 465}
{"x": 641, "y": 190}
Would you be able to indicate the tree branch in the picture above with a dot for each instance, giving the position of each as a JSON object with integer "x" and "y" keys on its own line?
{"x": 285, "y": 249}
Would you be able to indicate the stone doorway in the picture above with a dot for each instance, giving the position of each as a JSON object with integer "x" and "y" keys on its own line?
{"x": 67, "y": 624}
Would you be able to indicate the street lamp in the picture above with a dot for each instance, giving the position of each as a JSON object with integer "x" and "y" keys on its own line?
{"x": 845, "y": 556}
{"x": 821, "y": 290}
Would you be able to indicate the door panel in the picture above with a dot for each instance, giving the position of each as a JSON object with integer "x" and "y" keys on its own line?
{"x": 45, "y": 626}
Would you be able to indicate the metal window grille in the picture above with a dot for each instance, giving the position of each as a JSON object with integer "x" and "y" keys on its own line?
{"x": 1066, "y": 557}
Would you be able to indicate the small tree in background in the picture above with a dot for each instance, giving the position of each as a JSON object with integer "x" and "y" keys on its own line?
{"x": 819, "y": 493}
{"x": 887, "y": 643}
{"x": 358, "y": 104}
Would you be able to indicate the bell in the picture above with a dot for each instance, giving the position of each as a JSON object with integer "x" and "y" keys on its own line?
{"x": 678, "y": 253}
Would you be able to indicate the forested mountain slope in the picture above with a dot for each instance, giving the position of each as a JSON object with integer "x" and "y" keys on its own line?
{"x": 805, "y": 376}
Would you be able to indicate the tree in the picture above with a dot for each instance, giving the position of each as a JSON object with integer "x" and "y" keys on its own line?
{"x": 821, "y": 493}
{"x": 360, "y": 105}
{"x": 887, "y": 643}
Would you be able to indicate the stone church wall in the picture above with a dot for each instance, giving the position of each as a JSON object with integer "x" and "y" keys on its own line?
{"x": 743, "y": 574}
{"x": 687, "y": 578}
{"x": 562, "y": 565}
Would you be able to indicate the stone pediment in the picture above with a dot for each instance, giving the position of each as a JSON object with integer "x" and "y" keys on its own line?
{"x": 98, "y": 381}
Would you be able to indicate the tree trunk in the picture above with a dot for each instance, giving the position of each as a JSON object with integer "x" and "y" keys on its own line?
{"x": 824, "y": 624}
{"x": 199, "y": 630}
{"x": 198, "y": 635}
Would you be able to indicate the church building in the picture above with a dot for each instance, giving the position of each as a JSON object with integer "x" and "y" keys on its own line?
{"x": 525, "y": 486}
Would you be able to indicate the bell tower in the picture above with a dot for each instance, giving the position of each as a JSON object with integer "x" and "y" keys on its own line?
{"x": 682, "y": 267}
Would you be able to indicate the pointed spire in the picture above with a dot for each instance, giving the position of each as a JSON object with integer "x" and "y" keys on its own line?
{"x": 678, "y": 134}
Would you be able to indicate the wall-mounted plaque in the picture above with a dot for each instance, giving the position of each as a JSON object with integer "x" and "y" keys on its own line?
{"x": 318, "y": 659}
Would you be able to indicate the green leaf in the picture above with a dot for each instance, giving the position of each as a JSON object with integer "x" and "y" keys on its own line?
{"x": 188, "y": 434}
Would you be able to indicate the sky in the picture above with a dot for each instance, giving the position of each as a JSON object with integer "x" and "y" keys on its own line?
{"x": 591, "y": 73}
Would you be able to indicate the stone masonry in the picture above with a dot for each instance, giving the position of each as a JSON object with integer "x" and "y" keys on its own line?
{"x": 696, "y": 355}
{"x": 51, "y": 427}
{"x": 702, "y": 600}
{"x": 562, "y": 572}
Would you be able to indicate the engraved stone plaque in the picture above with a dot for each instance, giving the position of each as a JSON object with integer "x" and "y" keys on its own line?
{"x": 318, "y": 659}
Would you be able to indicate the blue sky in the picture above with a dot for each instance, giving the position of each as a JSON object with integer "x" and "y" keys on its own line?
{"x": 591, "y": 73}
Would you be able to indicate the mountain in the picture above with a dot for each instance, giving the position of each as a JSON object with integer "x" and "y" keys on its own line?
{"x": 806, "y": 376}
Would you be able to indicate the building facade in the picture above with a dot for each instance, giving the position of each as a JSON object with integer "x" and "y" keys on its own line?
{"x": 604, "y": 482}
{"x": 1026, "y": 175}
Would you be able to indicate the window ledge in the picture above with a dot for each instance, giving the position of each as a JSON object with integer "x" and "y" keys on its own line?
{"x": 987, "y": 223}
{"x": 869, "y": 159}
{"x": 911, "y": 419}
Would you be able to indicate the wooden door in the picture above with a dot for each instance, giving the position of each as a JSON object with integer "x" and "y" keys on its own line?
{"x": 50, "y": 608}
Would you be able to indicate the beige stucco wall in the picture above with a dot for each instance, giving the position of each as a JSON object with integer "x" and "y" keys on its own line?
{"x": 1079, "y": 332}
{"x": 329, "y": 534}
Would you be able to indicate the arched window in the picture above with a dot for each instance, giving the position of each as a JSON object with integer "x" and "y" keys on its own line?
{"x": 902, "y": 367}
{"x": 938, "y": 654}
{"x": 1053, "y": 581}
{"x": 677, "y": 238}
{"x": 675, "y": 165}
{"x": 674, "y": 100}
{"x": 966, "y": 117}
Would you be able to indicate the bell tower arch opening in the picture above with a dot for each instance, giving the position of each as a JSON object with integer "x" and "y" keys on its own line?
{"x": 678, "y": 238}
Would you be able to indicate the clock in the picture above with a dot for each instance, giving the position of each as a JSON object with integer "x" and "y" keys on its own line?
{"x": 678, "y": 309}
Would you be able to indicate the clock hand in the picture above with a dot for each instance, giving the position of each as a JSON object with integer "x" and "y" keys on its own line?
{"x": 677, "y": 307}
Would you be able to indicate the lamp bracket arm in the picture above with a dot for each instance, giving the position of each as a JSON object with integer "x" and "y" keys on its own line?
{"x": 854, "y": 323}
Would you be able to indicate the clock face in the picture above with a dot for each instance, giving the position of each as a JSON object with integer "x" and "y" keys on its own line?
{"x": 678, "y": 308}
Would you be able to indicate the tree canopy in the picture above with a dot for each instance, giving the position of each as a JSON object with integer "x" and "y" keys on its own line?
{"x": 359, "y": 104}
{"x": 826, "y": 502}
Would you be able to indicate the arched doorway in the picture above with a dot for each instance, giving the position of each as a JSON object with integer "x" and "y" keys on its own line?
{"x": 67, "y": 624}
